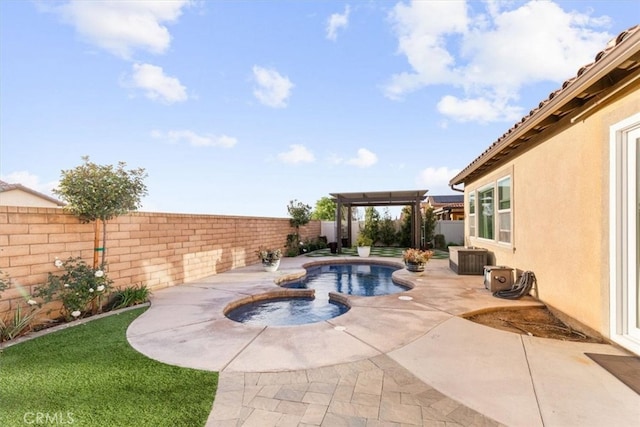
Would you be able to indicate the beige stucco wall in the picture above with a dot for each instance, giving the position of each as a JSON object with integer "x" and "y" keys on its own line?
{"x": 18, "y": 197}
{"x": 560, "y": 214}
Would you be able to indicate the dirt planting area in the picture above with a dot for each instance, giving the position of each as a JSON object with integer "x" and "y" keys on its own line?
{"x": 532, "y": 321}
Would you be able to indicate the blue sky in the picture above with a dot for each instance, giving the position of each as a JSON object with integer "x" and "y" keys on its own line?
{"x": 238, "y": 107}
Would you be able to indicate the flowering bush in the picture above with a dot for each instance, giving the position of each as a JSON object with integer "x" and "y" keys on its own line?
{"x": 269, "y": 256}
{"x": 416, "y": 256}
{"x": 80, "y": 288}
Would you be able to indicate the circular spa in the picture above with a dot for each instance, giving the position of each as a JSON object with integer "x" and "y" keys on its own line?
{"x": 317, "y": 296}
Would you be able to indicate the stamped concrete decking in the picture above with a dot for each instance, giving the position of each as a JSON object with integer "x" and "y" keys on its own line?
{"x": 387, "y": 361}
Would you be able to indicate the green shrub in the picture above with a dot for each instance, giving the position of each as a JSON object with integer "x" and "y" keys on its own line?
{"x": 80, "y": 289}
{"x": 311, "y": 245}
{"x": 439, "y": 242}
{"x": 13, "y": 326}
{"x": 133, "y": 295}
{"x": 292, "y": 245}
{"x": 387, "y": 232}
{"x": 364, "y": 240}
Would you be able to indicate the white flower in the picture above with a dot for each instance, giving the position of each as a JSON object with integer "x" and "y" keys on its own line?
{"x": 100, "y": 288}
{"x": 75, "y": 313}
{"x": 90, "y": 290}
{"x": 58, "y": 263}
{"x": 99, "y": 273}
{"x": 31, "y": 302}
{"x": 66, "y": 285}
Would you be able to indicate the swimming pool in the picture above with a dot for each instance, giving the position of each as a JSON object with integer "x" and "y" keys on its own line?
{"x": 320, "y": 281}
{"x": 351, "y": 279}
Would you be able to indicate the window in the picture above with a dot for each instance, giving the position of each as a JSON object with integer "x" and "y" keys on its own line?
{"x": 504, "y": 210}
{"x": 472, "y": 214}
{"x": 490, "y": 211}
{"x": 486, "y": 217}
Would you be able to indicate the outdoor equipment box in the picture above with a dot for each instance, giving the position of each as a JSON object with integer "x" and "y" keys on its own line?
{"x": 465, "y": 260}
{"x": 498, "y": 277}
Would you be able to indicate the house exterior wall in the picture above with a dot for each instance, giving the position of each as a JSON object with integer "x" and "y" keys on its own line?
{"x": 18, "y": 197}
{"x": 560, "y": 217}
{"x": 156, "y": 249}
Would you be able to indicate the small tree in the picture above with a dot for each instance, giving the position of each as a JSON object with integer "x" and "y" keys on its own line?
{"x": 371, "y": 224}
{"x": 404, "y": 236}
{"x": 300, "y": 215}
{"x": 325, "y": 209}
{"x": 99, "y": 193}
{"x": 429, "y": 223}
{"x": 387, "y": 229}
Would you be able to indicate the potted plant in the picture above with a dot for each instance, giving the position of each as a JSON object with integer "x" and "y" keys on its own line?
{"x": 270, "y": 258}
{"x": 364, "y": 245}
{"x": 415, "y": 259}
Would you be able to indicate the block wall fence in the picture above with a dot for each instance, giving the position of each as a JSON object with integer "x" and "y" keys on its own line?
{"x": 155, "y": 249}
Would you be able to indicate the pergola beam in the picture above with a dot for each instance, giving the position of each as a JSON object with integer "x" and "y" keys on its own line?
{"x": 411, "y": 198}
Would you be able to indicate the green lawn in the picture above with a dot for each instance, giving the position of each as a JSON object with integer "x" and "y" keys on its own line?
{"x": 88, "y": 375}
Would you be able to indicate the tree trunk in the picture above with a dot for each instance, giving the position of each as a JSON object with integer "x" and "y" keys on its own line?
{"x": 104, "y": 242}
{"x": 96, "y": 243}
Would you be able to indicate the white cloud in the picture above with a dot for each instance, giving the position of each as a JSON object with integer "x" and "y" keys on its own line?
{"x": 156, "y": 84}
{"x": 334, "y": 159}
{"x": 436, "y": 180}
{"x": 297, "y": 154}
{"x": 364, "y": 159}
{"x": 337, "y": 21}
{"x": 121, "y": 27}
{"x": 481, "y": 110}
{"x": 488, "y": 57}
{"x": 31, "y": 181}
{"x": 273, "y": 89}
{"x": 195, "y": 140}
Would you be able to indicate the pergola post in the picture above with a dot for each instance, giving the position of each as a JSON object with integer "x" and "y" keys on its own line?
{"x": 339, "y": 225}
{"x": 416, "y": 226}
{"x": 411, "y": 198}
{"x": 349, "y": 225}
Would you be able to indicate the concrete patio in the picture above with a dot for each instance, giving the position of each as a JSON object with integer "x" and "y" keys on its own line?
{"x": 387, "y": 361}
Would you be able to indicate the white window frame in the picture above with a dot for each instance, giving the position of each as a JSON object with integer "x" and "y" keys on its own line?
{"x": 472, "y": 215}
{"x": 623, "y": 232}
{"x": 474, "y": 218}
{"x": 480, "y": 209}
{"x": 504, "y": 211}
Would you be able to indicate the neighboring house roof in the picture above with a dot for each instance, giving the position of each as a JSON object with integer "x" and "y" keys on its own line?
{"x": 454, "y": 201}
{"x": 615, "y": 68}
{"x": 5, "y": 186}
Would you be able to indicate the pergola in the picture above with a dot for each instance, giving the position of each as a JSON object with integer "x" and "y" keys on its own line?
{"x": 380, "y": 198}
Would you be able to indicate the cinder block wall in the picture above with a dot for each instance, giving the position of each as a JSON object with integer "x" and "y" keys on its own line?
{"x": 156, "y": 249}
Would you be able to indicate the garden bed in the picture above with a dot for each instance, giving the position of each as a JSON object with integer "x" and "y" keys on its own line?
{"x": 532, "y": 321}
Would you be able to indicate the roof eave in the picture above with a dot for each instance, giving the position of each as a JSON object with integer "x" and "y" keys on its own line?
{"x": 621, "y": 53}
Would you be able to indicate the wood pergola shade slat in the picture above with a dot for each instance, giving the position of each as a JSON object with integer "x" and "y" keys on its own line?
{"x": 411, "y": 198}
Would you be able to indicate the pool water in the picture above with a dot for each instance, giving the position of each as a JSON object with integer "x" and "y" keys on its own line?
{"x": 287, "y": 311}
{"x": 351, "y": 279}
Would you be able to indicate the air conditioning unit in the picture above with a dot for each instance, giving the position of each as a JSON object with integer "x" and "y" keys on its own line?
{"x": 498, "y": 277}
